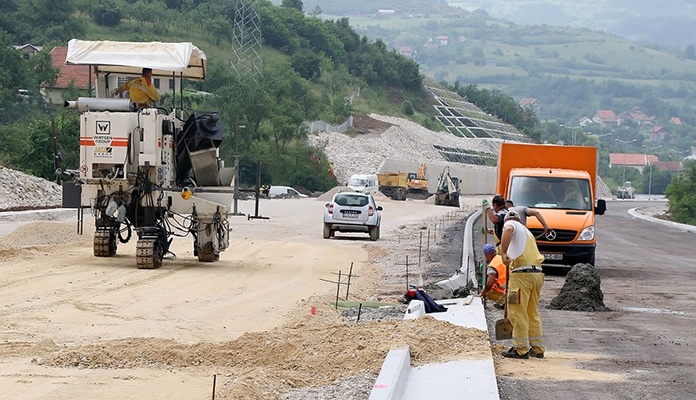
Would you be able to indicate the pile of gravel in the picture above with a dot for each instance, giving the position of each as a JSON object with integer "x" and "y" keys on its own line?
{"x": 581, "y": 291}
{"x": 404, "y": 140}
{"x": 20, "y": 191}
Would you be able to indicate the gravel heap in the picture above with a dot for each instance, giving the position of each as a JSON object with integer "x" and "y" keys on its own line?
{"x": 404, "y": 140}
{"x": 20, "y": 191}
{"x": 581, "y": 291}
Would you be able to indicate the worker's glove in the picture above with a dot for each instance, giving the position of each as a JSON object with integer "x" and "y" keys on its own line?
{"x": 484, "y": 203}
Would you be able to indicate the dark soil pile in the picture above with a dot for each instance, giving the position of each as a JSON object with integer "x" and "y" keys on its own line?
{"x": 581, "y": 291}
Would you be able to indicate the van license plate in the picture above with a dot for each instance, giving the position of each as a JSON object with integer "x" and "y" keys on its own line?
{"x": 553, "y": 256}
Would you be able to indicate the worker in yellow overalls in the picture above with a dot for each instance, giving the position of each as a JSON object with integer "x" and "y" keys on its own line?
{"x": 141, "y": 90}
{"x": 519, "y": 250}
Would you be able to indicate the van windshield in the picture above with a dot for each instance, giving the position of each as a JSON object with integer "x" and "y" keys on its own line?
{"x": 357, "y": 182}
{"x": 570, "y": 194}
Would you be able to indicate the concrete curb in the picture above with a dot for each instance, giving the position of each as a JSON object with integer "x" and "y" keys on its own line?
{"x": 676, "y": 225}
{"x": 444, "y": 381}
{"x": 397, "y": 380}
{"x": 467, "y": 271}
{"x": 391, "y": 382}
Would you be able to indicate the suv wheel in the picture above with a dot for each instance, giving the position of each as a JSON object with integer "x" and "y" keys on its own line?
{"x": 374, "y": 233}
{"x": 327, "y": 232}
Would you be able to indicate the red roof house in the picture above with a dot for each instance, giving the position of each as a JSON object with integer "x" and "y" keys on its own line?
{"x": 75, "y": 75}
{"x": 637, "y": 161}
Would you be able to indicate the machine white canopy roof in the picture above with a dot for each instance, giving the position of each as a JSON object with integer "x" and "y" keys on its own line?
{"x": 129, "y": 58}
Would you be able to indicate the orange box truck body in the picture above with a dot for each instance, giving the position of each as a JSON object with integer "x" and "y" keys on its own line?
{"x": 560, "y": 182}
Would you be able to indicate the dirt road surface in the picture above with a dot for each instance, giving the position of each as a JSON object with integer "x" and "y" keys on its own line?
{"x": 74, "y": 326}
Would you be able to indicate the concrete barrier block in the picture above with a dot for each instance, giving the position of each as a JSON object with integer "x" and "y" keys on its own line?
{"x": 391, "y": 382}
{"x": 415, "y": 310}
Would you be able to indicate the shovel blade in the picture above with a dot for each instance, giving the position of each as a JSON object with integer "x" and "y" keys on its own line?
{"x": 503, "y": 329}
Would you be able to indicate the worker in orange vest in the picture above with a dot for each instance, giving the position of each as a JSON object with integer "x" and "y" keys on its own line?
{"x": 496, "y": 276}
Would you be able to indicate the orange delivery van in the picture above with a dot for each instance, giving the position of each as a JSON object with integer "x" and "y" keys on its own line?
{"x": 560, "y": 182}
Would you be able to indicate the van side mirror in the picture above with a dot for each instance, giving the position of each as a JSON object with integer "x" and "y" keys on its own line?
{"x": 379, "y": 208}
{"x": 601, "y": 207}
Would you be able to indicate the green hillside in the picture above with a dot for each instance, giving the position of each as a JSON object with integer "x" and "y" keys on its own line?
{"x": 310, "y": 70}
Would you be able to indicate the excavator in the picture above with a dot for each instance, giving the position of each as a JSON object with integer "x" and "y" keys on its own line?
{"x": 418, "y": 183}
{"x": 447, "y": 193}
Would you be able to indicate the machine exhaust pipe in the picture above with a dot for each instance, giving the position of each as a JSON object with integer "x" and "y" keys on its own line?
{"x": 94, "y": 104}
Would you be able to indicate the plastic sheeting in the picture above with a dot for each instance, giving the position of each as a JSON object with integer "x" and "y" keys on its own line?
{"x": 129, "y": 58}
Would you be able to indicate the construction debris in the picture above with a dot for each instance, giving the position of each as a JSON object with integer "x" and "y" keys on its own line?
{"x": 581, "y": 291}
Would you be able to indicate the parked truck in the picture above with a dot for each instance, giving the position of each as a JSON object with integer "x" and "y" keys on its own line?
{"x": 400, "y": 185}
{"x": 393, "y": 185}
{"x": 560, "y": 182}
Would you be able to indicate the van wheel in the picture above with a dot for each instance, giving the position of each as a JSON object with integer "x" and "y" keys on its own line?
{"x": 327, "y": 232}
{"x": 374, "y": 233}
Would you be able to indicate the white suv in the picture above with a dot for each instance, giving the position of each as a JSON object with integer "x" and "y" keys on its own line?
{"x": 352, "y": 212}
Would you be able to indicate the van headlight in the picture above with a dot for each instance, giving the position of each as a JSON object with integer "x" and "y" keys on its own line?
{"x": 587, "y": 233}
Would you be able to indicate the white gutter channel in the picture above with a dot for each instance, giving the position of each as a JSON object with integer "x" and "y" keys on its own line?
{"x": 454, "y": 380}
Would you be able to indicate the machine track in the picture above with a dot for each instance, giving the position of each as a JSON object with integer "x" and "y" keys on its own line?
{"x": 104, "y": 243}
{"x": 147, "y": 254}
{"x": 207, "y": 254}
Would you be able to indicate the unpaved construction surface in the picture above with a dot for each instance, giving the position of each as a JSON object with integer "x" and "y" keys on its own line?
{"x": 75, "y": 326}
{"x": 79, "y": 327}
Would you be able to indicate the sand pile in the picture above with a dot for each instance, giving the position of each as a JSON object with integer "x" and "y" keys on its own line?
{"x": 581, "y": 291}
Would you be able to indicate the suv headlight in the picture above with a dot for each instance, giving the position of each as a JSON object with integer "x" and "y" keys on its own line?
{"x": 587, "y": 233}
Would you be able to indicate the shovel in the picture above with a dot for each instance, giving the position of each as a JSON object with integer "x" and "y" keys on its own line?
{"x": 503, "y": 327}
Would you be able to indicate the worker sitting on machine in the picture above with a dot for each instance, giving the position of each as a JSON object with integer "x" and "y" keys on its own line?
{"x": 141, "y": 90}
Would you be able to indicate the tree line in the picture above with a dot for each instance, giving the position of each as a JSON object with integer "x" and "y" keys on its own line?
{"x": 310, "y": 68}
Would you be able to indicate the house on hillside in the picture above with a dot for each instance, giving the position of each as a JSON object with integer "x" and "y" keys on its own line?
{"x": 675, "y": 121}
{"x": 584, "y": 121}
{"x": 407, "y": 52}
{"x": 75, "y": 76}
{"x": 531, "y": 103}
{"x": 635, "y": 117}
{"x": 28, "y": 50}
{"x": 636, "y": 161}
{"x": 442, "y": 40}
{"x": 670, "y": 166}
{"x": 658, "y": 133}
{"x": 605, "y": 118}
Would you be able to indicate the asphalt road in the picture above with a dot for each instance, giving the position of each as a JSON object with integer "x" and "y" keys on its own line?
{"x": 644, "y": 346}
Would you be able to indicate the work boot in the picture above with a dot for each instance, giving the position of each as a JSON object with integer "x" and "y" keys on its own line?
{"x": 533, "y": 354}
{"x": 512, "y": 353}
